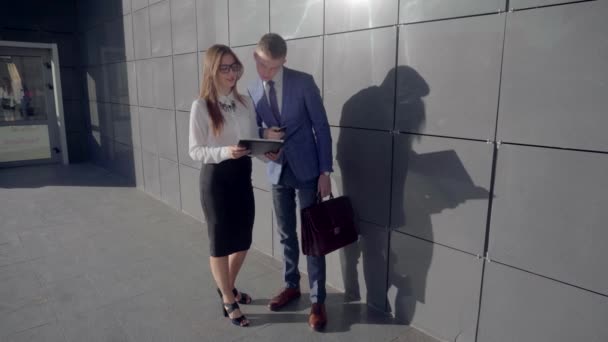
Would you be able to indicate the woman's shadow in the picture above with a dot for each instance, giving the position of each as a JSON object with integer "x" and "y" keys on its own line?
{"x": 401, "y": 92}
{"x": 418, "y": 190}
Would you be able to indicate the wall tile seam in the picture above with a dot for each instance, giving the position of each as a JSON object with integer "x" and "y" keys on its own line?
{"x": 502, "y": 60}
{"x": 376, "y": 226}
{"x": 477, "y": 256}
{"x": 561, "y": 148}
{"x": 149, "y": 107}
{"x": 196, "y": 34}
{"x": 287, "y": 40}
{"x": 489, "y": 259}
{"x": 113, "y": 103}
{"x": 163, "y": 157}
{"x": 398, "y": 132}
{"x": 574, "y": 2}
{"x": 488, "y": 226}
{"x": 361, "y": 30}
{"x": 188, "y": 166}
{"x": 149, "y": 33}
{"x": 487, "y": 141}
{"x": 134, "y": 60}
{"x": 179, "y": 185}
{"x": 485, "y": 14}
{"x": 260, "y": 189}
{"x": 39, "y": 30}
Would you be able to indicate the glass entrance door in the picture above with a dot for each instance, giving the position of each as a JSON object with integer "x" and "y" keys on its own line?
{"x": 28, "y": 119}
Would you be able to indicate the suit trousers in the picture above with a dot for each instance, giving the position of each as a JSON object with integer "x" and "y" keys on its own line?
{"x": 284, "y": 200}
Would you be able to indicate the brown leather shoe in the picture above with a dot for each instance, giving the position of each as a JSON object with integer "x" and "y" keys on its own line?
{"x": 286, "y": 296}
{"x": 318, "y": 316}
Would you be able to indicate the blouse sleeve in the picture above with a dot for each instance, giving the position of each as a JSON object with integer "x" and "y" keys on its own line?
{"x": 199, "y": 132}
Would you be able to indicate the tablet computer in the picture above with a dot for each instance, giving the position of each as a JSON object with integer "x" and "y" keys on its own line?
{"x": 260, "y": 146}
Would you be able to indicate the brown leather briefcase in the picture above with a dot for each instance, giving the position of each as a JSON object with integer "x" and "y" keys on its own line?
{"x": 327, "y": 226}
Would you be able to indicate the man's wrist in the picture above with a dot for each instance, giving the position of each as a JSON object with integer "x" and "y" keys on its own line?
{"x": 326, "y": 173}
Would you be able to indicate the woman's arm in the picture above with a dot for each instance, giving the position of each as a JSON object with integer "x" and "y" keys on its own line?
{"x": 199, "y": 131}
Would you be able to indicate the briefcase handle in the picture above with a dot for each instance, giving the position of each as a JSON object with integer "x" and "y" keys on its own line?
{"x": 319, "y": 199}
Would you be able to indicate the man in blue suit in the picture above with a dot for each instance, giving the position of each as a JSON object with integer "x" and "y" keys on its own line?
{"x": 289, "y": 107}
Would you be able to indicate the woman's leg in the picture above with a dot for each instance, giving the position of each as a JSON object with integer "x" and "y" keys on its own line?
{"x": 219, "y": 269}
{"x": 235, "y": 261}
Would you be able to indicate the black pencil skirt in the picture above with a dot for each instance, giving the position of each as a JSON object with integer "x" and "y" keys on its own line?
{"x": 228, "y": 205}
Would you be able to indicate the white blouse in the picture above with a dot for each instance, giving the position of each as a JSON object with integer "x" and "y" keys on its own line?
{"x": 239, "y": 123}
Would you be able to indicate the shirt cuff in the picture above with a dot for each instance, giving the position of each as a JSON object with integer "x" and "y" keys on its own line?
{"x": 225, "y": 153}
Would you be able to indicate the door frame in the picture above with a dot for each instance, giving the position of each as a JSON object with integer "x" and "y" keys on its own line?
{"x": 57, "y": 93}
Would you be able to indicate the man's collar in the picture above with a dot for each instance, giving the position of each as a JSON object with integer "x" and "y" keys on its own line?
{"x": 278, "y": 77}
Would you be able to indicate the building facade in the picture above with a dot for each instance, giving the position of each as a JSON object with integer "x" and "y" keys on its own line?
{"x": 470, "y": 136}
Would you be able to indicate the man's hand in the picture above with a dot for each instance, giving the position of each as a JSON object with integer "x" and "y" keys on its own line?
{"x": 274, "y": 156}
{"x": 275, "y": 133}
{"x": 324, "y": 185}
{"x": 237, "y": 152}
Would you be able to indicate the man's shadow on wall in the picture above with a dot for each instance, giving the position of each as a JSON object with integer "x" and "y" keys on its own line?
{"x": 422, "y": 185}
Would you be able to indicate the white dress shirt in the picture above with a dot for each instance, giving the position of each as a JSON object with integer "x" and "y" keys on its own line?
{"x": 238, "y": 124}
{"x": 278, "y": 87}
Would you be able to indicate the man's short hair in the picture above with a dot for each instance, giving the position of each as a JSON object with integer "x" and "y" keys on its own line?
{"x": 273, "y": 45}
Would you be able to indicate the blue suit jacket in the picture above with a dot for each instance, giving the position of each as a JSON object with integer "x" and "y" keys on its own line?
{"x": 307, "y": 145}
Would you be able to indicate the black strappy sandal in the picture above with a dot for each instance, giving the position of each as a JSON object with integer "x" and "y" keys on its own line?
{"x": 229, "y": 308}
{"x": 245, "y": 298}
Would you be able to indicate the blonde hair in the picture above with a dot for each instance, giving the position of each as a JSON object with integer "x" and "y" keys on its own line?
{"x": 209, "y": 87}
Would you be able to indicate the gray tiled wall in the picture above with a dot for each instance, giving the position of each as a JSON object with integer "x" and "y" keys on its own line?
{"x": 411, "y": 11}
{"x": 556, "y": 99}
{"x": 459, "y": 60}
{"x": 469, "y": 138}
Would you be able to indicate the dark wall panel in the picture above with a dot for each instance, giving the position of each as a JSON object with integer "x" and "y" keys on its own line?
{"x": 414, "y": 10}
{"x": 211, "y": 23}
{"x": 554, "y": 77}
{"x": 362, "y": 171}
{"x": 519, "y": 306}
{"x": 448, "y": 77}
{"x": 359, "y": 83}
{"x": 249, "y": 20}
{"x": 360, "y": 268}
{"x": 519, "y": 4}
{"x": 549, "y": 214}
{"x": 441, "y": 189}
{"x": 296, "y": 18}
{"x": 348, "y": 15}
{"x": 433, "y": 288}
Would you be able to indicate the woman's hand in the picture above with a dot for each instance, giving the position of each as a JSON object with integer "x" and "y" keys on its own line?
{"x": 237, "y": 152}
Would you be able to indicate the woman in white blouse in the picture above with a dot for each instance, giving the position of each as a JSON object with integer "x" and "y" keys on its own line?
{"x": 218, "y": 119}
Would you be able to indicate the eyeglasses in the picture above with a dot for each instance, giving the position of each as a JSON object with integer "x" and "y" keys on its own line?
{"x": 225, "y": 68}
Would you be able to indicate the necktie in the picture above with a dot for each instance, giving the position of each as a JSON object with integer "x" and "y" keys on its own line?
{"x": 274, "y": 104}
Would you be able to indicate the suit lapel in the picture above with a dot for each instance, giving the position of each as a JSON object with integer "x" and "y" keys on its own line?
{"x": 286, "y": 96}
{"x": 258, "y": 93}
{"x": 261, "y": 104}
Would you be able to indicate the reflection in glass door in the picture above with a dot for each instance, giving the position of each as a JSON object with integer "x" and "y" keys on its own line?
{"x": 28, "y": 120}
